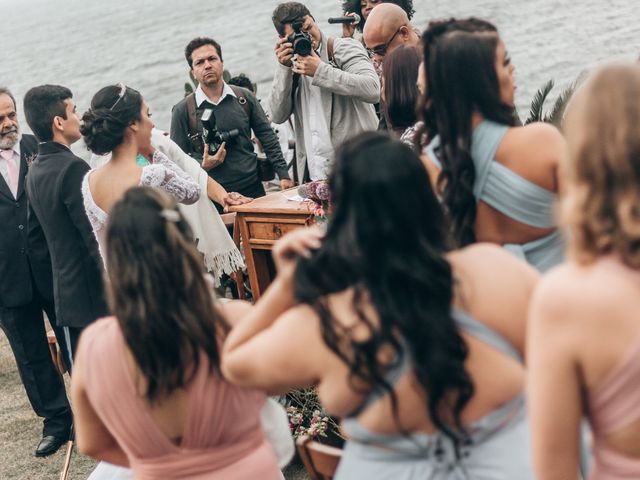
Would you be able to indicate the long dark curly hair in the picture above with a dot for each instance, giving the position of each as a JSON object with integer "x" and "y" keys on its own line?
{"x": 355, "y": 6}
{"x": 461, "y": 78}
{"x": 387, "y": 241}
{"x": 158, "y": 292}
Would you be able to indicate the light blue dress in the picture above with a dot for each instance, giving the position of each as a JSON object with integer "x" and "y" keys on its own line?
{"x": 512, "y": 195}
{"x": 498, "y": 450}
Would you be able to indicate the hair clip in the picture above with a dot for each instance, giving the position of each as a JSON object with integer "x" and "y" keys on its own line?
{"x": 170, "y": 215}
{"x": 123, "y": 90}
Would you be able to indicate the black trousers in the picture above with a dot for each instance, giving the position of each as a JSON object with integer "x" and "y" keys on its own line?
{"x": 24, "y": 327}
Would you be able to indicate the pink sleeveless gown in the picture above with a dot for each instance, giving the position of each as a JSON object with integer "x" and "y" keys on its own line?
{"x": 613, "y": 405}
{"x": 222, "y": 437}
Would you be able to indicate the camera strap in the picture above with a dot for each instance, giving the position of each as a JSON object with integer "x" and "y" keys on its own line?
{"x": 194, "y": 136}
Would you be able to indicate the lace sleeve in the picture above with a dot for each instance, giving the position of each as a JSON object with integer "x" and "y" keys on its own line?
{"x": 166, "y": 175}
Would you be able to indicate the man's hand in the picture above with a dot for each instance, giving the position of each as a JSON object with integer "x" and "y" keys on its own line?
{"x": 234, "y": 198}
{"x": 212, "y": 161}
{"x": 286, "y": 183}
{"x": 306, "y": 65}
{"x": 284, "y": 52}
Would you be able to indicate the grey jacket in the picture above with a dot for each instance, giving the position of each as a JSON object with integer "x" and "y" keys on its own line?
{"x": 349, "y": 88}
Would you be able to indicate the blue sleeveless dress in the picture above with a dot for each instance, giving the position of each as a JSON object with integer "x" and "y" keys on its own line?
{"x": 498, "y": 450}
{"x": 512, "y": 195}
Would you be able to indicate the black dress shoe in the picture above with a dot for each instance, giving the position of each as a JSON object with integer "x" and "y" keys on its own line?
{"x": 49, "y": 445}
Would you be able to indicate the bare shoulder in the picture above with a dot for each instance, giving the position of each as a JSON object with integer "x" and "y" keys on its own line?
{"x": 574, "y": 291}
{"x": 493, "y": 260}
{"x": 491, "y": 283}
{"x": 540, "y": 138}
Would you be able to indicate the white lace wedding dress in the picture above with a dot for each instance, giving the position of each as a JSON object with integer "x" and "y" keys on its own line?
{"x": 161, "y": 173}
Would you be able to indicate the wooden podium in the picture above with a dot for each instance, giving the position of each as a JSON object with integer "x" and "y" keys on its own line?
{"x": 261, "y": 223}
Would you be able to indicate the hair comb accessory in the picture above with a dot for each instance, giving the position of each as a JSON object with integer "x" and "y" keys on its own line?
{"x": 123, "y": 90}
{"x": 170, "y": 215}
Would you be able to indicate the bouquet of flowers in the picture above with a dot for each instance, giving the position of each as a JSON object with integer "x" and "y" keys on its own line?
{"x": 307, "y": 417}
{"x": 318, "y": 192}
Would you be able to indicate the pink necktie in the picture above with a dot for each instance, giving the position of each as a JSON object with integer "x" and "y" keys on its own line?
{"x": 12, "y": 170}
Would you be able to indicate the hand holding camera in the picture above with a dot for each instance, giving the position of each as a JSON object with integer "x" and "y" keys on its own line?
{"x": 213, "y": 161}
{"x": 214, "y": 140}
{"x": 284, "y": 52}
{"x": 306, "y": 65}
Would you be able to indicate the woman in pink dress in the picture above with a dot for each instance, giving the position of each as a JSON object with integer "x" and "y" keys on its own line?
{"x": 147, "y": 390}
{"x": 584, "y": 329}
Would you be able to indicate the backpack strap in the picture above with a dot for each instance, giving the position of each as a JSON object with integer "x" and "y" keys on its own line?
{"x": 242, "y": 100}
{"x": 194, "y": 136}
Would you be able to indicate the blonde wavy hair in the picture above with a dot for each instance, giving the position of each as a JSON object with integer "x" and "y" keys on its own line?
{"x": 601, "y": 202}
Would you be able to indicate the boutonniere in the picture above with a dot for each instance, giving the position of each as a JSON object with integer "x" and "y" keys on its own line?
{"x": 30, "y": 158}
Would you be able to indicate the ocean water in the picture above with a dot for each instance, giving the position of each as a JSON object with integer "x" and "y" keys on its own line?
{"x": 88, "y": 44}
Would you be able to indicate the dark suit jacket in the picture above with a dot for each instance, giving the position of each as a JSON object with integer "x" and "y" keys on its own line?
{"x": 54, "y": 187}
{"x": 22, "y": 242}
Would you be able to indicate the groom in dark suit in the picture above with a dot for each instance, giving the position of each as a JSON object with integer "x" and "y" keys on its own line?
{"x": 26, "y": 284}
{"x": 54, "y": 187}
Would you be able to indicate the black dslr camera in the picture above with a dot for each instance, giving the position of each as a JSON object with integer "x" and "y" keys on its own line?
{"x": 211, "y": 135}
{"x": 301, "y": 40}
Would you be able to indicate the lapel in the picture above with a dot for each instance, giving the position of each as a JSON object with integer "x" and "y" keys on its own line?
{"x": 28, "y": 148}
{"x": 4, "y": 189}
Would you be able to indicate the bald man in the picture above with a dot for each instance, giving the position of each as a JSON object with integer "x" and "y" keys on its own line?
{"x": 387, "y": 28}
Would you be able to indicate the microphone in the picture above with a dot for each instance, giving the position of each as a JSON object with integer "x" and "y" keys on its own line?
{"x": 347, "y": 19}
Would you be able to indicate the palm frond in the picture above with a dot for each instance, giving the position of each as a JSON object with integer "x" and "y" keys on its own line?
{"x": 557, "y": 112}
{"x": 188, "y": 89}
{"x": 537, "y": 104}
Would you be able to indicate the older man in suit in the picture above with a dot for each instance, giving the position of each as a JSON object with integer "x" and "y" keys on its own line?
{"x": 54, "y": 186}
{"x": 26, "y": 284}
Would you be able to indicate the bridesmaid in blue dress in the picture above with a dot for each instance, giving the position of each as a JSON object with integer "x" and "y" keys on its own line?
{"x": 498, "y": 181}
{"x": 419, "y": 350}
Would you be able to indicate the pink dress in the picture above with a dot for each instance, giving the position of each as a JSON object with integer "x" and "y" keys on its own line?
{"x": 613, "y": 405}
{"x": 222, "y": 436}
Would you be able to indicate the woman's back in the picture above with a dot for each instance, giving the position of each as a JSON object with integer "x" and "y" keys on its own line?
{"x": 206, "y": 430}
{"x": 591, "y": 311}
{"x": 490, "y": 311}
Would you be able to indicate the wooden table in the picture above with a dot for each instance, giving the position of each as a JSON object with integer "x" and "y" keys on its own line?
{"x": 261, "y": 223}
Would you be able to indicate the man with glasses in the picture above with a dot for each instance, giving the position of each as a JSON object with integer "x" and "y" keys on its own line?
{"x": 331, "y": 91}
{"x": 386, "y": 29}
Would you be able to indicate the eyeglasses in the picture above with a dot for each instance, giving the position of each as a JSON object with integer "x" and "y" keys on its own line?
{"x": 123, "y": 90}
{"x": 381, "y": 50}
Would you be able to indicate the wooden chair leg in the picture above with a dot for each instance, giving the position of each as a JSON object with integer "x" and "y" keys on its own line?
{"x": 64, "y": 474}
{"x": 238, "y": 276}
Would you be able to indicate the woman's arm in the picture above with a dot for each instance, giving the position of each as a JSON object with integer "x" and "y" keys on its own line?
{"x": 92, "y": 437}
{"x": 272, "y": 347}
{"x": 554, "y": 399}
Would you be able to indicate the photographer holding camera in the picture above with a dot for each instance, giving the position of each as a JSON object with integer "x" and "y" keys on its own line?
{"x": 329, "y": 84}
{"x": 230, "y": 113}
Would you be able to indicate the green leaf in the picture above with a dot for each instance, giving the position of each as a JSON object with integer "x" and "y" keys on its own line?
{"x": 226, "y": 76}
{"x": 537, "y": 104}
{"x": 188, "y": 89}
{"x": 557, "y": 112}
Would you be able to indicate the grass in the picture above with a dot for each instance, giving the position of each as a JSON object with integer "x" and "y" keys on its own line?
{"x": 21, "y": 430}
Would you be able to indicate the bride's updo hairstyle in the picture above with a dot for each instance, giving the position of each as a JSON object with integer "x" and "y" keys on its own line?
{"x": 601, "y": 205}
{"x": 112, "y": 110}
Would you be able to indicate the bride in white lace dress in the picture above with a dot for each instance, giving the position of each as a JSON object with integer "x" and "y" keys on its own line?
{"x": 119, "y": 122}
